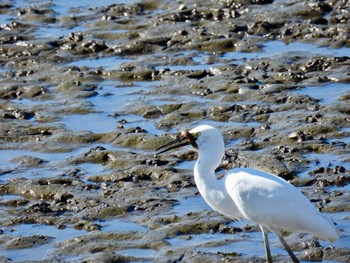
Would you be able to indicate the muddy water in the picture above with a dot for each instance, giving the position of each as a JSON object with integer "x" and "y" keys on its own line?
{"x": 88, "y": 92}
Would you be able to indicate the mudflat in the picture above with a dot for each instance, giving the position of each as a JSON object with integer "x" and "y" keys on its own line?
{"x": 89, "y": 92}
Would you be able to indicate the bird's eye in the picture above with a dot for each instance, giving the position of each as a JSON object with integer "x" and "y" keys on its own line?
{"x": 196, "y": 135}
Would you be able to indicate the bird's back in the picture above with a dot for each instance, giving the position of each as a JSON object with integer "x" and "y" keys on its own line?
{"x": 273, "y": 202}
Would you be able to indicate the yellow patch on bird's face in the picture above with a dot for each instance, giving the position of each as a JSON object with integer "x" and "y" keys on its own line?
{"x": 196, "y": 135}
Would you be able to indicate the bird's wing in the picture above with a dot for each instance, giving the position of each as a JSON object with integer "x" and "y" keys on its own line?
{"x": 271, "y": 201}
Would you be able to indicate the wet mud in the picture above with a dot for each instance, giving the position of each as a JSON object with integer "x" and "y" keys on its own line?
{"x": 89, "y": 92}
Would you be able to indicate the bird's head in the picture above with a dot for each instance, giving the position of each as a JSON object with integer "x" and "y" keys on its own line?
{"x": 200, "y": 137}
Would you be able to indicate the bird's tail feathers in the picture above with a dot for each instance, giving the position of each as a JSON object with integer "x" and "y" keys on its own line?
{"x": 328, "y": 231}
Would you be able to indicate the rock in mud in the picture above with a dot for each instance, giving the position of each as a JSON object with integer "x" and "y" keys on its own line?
{"x": 28, "y": 161}
{"x": 28, "y": 242}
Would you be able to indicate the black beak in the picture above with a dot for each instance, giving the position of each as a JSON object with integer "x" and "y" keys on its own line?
{"x": 177, "y": 143}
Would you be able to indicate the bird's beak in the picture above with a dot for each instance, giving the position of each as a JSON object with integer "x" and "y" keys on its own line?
{"x": 177, "y": 143}
{"x": 185, "y": 138}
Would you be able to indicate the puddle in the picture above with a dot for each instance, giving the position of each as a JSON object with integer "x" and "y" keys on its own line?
{"x": 269, "y": 49}
{"x": 32, "y": 173}
{"x": 51, "y": 157}
{"x": 190, "y": 204}
{"x": 247, "y": 244}
{"x": 63, "y": 7}
{"x": 100, "y": 123}
{"x": 138, "y": 121}
{"x": 92, "y": 168}
{"x": 9, "y": 197}
{"x": 40, "y": 252}
{"x": 206, "y": 67}
{"x": 327, "y": 93}
{"x": 181, "y": 99}
{"x": 118, "y": 225}
{"x": 323, "y": 160}
{"x": 90, "y": 122}
{"x": 29, "y": 103}
{"x": 43, "y": 251}
{"x": 54, "y": 32}
{"x": 8, "y": 155}
{"x": 49, "y": 169}
{"x": 139, "y": 253}
{"x": 107, "y": 63}
{"x": 342, "y": 220}
{"x": 218, "y": 124}
{"x": 279, "y": 48}
{"x": 185, "y": 165}
{"x": 112, "y": 98}
{"x": 199, "y": 61}
{"x": 345, "y": 188}
{"x": 5, "y": 19}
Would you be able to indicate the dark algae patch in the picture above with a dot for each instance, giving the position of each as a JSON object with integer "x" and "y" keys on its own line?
{"x": 88, "y": 91}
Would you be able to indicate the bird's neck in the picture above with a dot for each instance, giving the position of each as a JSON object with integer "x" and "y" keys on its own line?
{"x": 204, "y": 175}
{"x": 209, "y": 158}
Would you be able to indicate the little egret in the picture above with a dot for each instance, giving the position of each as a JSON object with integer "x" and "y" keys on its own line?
{"x": 244, "y": 193}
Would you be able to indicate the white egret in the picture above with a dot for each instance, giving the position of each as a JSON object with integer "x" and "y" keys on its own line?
{"x": 244, "y": 193}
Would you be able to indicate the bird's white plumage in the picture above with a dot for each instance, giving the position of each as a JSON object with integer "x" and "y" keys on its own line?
{"x": 272, "y": 202}
{"x": 250, "y": 194}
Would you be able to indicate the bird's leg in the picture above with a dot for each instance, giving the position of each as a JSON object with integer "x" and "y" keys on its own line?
{"x": 290, "y": 252}
{"x": 267, "y": 244}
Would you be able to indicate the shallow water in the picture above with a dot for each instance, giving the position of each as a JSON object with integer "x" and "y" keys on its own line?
{"x": 107, "y": 63}
{"x": 41, "y": 252}
{"x": 90, "y": 122}
{"x": 112, "y": 99}
{"x": 327, "y": 94}
{"x": 54, "y": 31}
{"x": 280, "y": 49}
{"x": 51, "y": 167}
{"x": 323, "y": 160}
{"x": 139, "y": 253}
{"x": 109, "y": 101}
{"x": 121, "y": 225}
